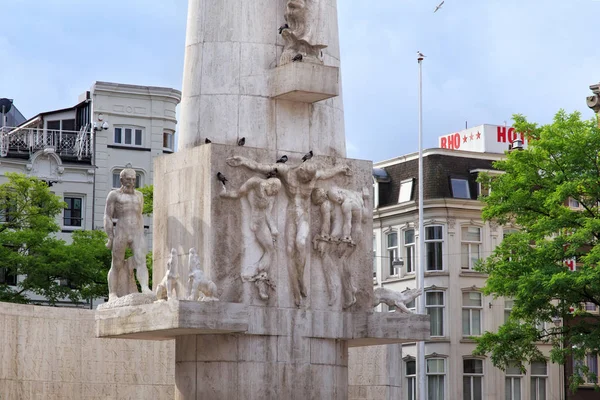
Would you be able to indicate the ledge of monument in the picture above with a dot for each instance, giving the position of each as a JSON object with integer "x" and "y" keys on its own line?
{"x": 168, "y": 319}
{"x": 377, "y": 328}
{"x": 165, "y": 320}
{"x": 304, "y": 82}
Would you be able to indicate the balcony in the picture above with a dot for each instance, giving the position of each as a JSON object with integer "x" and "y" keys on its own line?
{"x": 73, "y": 146}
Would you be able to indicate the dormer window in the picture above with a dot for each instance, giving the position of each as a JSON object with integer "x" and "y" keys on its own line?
{"x": 406, "y": 187}
{"x": 460, "y": 188}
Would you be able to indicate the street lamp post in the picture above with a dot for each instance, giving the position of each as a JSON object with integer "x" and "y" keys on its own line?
{"x": 421, "y": 258}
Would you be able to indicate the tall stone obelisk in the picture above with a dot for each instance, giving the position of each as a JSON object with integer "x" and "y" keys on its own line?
{"x": 281, "y": 223}
{"x": 230, "y": 83}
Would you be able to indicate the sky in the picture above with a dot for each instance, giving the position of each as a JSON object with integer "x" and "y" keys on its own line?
{"x": 486, "y": 60}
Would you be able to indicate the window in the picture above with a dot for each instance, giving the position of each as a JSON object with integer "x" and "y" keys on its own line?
{"x": 406, "y": 187}
{"x": 590, "y": 307}
{"x": 6, "y": 277}
{"x": 434, "y": 303}
{"x": 411, "y": 380}
{"x": 409, "y": 250}
{"x": 374, "y": 256}
{"x": 471, "y": 313}
{"x": 128, "y": 136}
{"x": 538, "y": 380}
{"x": 392, "y": 247}
{"x": 116, "y": 179}
{"x": 433, "y": 248}
{"x": 512, "y": 382}
{"x": 436, "y": 371}
{"x": 460, "y": 188}
{"x": 472, "y": 379}
{"x": 573, "y": 203}
{"x": 508, "y": 305}
{"x": 470, "y": 246}
{"x": 591, "y": 361}
{"x": 168, "y": 137}
{"x": 73, "y": 211}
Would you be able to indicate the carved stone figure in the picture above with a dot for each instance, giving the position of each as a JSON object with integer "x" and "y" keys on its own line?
{"x": 395, "y": 299}
{"x": 299, "y": 182}
{"x": 354, "y": 212}
{"x": 261, "y": 195}
{"x": 199, "y": 287}
{"x": 170, "y": 282}
{"x": 299, "y": 33}
{"x": 125, "y": 205}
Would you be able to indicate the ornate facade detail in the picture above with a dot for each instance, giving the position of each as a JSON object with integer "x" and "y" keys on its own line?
{"x": 298, "y": 182}
{"x": 170, "y": 282}
{"x": 199, "y": 287}
{"x": 396, "y": 299}
{"x": 298, "y": 32}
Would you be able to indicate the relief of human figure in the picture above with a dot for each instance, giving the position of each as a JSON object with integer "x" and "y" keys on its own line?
{"x": 261, "y": 194}
{"x": 125, "y": 205}
{"x": 354, "y": 213}
{"x": 299, "y": 182}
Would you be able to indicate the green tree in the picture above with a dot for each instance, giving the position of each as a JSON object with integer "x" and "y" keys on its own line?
{"x": 29, "y": 248}
{"x": 148, "y": 192}
{"x": 561, "y": 164}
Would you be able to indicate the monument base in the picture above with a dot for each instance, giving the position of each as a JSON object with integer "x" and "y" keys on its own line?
{"x": 237, "y": 366}
{"x": 234, "y": 351}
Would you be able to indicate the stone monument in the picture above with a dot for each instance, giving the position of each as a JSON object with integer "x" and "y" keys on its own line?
{"x": 278, "y": 215}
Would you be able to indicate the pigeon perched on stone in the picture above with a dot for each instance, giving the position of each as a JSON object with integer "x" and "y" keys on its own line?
{"x": 307, "y": 156}
{"x": 242, "y": 141}
{"x": 282, "y": 27}
{"x": 297, "y": 57}
{"x": 207, "y": 141}
{"x": 282, "y": 160}
{"x": 221, "y": 178}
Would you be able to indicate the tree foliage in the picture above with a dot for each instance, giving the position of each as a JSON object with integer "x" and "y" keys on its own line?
{"x": 46, "y": 265}
{"x": 562, "y": 162}
{"x": 148, "y": 192}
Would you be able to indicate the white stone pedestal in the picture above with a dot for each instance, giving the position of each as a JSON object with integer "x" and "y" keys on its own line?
{"x": 227, "y": 351}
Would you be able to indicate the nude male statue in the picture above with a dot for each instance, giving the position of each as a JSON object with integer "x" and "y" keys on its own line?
{"x": 261, "y": 195}
{"x": 125, "y": 205}
{"x": 299, "y": 181}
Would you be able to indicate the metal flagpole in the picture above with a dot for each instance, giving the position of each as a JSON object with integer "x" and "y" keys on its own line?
{"x": 421, "y": 274}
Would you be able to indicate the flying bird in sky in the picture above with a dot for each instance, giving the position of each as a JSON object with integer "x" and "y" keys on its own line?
{"x": 438, "y": 6}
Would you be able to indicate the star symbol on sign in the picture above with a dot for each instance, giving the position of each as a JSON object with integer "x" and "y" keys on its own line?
{"x": 471, "y": 137}
{"x": 478, "y": 135}
{"x": 465, "y": 139}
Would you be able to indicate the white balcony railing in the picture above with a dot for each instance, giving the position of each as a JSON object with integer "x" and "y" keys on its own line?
{"x": 75, "y": 144}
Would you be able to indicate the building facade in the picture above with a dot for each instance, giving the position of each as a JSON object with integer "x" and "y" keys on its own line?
{"x": 455, "y": 238}
{"x": 80, "y": 151}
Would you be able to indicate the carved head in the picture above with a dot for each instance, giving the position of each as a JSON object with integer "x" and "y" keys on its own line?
{"x": 271, "y": 186}
{"x": 306, "y": 172}
{"x": 318, "y": 196}
{"x": 127, "y": 177}
{"x": 412, "y": 293}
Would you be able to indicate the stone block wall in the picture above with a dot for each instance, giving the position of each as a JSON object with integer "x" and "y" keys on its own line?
{"x": 374, "y": 373}
{"x": 52, "y": 353}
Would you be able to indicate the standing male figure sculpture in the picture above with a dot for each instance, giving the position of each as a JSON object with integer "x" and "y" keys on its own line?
{"x": 299, "y": 183}
{"x": 125, "y": 205}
